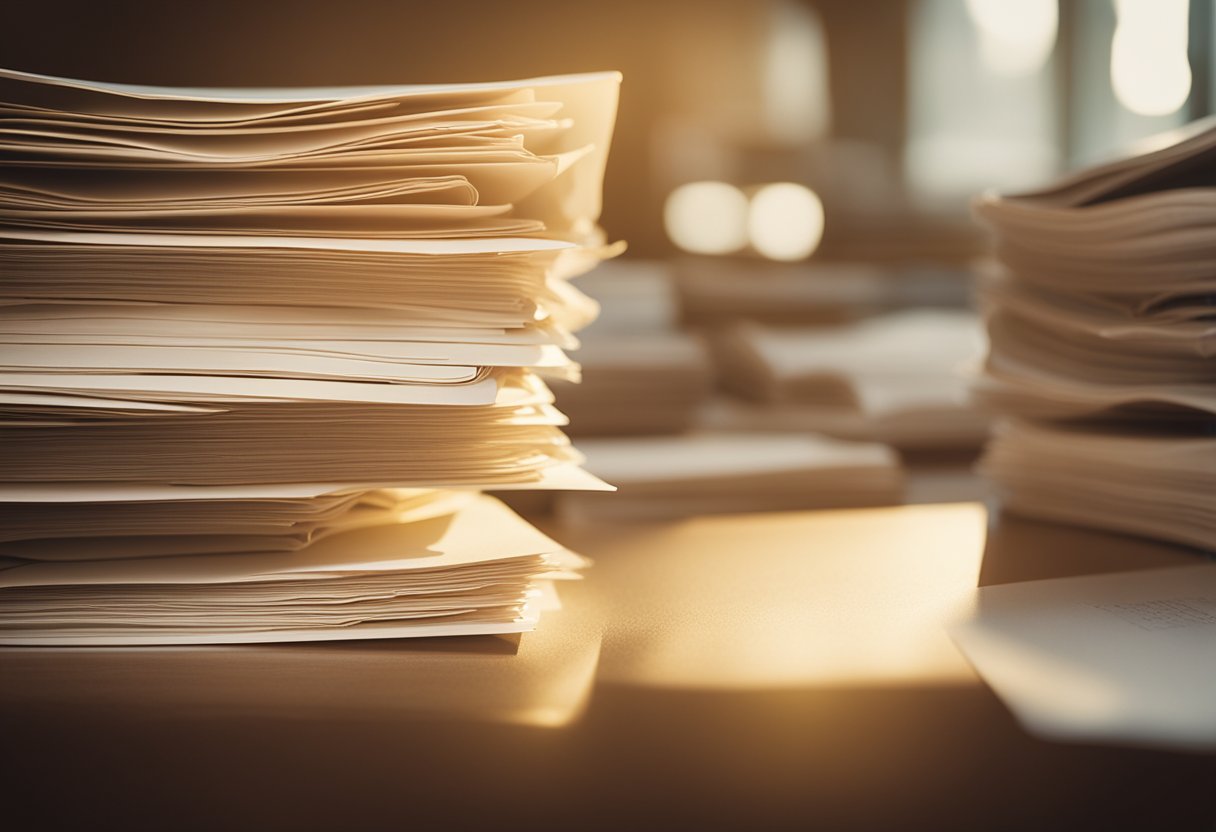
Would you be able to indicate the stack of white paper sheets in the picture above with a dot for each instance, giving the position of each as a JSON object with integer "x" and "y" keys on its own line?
{"x": 405, "y": 162}
{"x": 897, "y": 379}
{"x": 53, "y": 521}
{"x": 246, "y": 334}
{"x": 1103, "y": 334}
{"x": 706, "y": 473}
{"x": 473, "y": 572}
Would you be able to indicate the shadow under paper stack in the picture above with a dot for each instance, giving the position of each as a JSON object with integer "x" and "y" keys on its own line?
{"x": 262, "y": 348}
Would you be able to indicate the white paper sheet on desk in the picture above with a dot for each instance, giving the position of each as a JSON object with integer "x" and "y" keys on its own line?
{"x": 1124, "y": 658}
{"x": 638, "y": 461}
{"x": 662, "y": 477}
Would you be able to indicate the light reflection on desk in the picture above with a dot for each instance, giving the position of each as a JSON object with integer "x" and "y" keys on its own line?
{"x": 767, "y": 671}
{"x": 785, "y": 600}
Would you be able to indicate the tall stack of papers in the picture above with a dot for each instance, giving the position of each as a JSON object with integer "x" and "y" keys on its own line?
{"x": 247, "y": 336}
{"x": 1103, "y": 333}
{"x": 896, "y": 378}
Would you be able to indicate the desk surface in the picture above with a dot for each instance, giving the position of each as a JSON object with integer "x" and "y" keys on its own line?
{"x": 735, "y": 672}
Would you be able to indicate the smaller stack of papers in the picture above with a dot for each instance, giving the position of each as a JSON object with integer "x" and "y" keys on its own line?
{"x": 641, "y": 373}
{"x": 1103, "y": 334}
{"x": 896, "y": 379}
{"x": 666, "y": 477}
{"x": 645, "y": 383}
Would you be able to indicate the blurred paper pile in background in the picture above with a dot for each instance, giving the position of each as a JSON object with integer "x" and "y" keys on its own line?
{"x": 714, "y": 385}
{"x": 1103, "y": 344}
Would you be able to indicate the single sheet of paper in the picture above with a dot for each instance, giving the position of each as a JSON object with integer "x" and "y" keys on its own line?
{"x": 1115, "y": 658}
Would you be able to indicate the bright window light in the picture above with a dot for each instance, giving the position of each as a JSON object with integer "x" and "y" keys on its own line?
{"x": 785, "y": 221}
{"x": 796, "y": 97}
{"x": 707, "y": 218}
{"x": 1149, "y": 71}
{"x": 1016, "y": 38}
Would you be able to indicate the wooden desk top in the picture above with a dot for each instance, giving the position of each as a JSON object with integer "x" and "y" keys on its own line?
{"x": 733, "y": 672}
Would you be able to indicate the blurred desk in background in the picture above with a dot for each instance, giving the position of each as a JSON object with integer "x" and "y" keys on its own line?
{"x": 735, "y": 672}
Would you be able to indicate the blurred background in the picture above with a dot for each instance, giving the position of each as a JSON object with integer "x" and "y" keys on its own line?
{"x": 790, "y": 325}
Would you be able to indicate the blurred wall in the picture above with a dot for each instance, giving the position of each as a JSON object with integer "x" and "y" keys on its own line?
{"x": 676, "y": 55}
{"x": 881, "y": 79}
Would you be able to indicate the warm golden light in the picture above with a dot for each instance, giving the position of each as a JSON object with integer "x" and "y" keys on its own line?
{"x": 707, "y": 218}
{"x": 785, "y": 221}
{"x": 1149, "y": 71}
{"x": 1015, "y": 38}
{"x": 796, "y": 94}
{"x": 707, "y": 618}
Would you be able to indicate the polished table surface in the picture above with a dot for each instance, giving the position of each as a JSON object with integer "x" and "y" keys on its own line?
{"x": 784, "y": 670}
